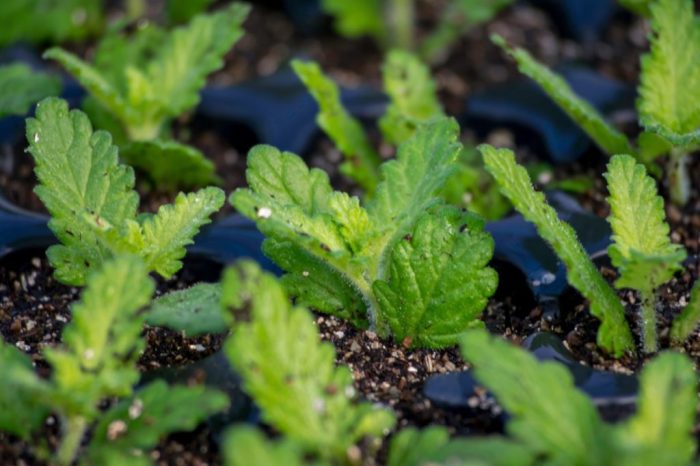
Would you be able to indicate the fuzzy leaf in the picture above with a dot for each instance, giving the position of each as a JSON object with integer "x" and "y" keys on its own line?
{"x": 93, "y": 205}
{"x": 23, "y": 404}
{"x": 549, "y": 416}
{"x": 661, "y": 430}
{"x": 408, "y": 83}
{"x": 289, "y": 372}
{"x": 669, "y": 90}
{"x": 153, "y": 412}
{"x": 641, "y": 249}
{"x": 103, "y": 339}
{"x": 169, "y": 163}
{"x": 193, "y": 311}
{"x": 245, "y": 445}
{"x": 358, "y": 18}
{"x": 362, "y": 161}
{"x": 687, "y": 321}
{"x": 614, "y": 333}
{"x": 610, "y": 140}
{"x": 441, "y": 267}
{"x": 21, "y": 87}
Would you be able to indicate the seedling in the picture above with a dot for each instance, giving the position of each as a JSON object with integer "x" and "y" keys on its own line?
{"x": 138, "y": 85}
{"x": 669, "y": 94}
{"x": 93, "y": 205}
{"x": 413, "y": 102}
{"x": 393, "y": 25}
{"x": 292, "y": 376}
{"x": 405, "y": 264}
{"x": 641, "y": 249}
{"x": 96, "y": 364}
{"x": 21, "y": 87}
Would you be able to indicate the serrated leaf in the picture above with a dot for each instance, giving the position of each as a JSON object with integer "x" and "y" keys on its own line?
{"x": 413, "y": 100}
{"x": 193, "y": 311}
{"x": 20, "y": 88}
{"x": 614, "y": 334}
{"x": 661, "y": 432}
{"x": 245, "y": 445}
{"x": 440, "y": 267}
{"x": 356, "y": 19}
{"x": 669, "y": 90}
{"x": 609, "y": 139}
{"x": 153, "y": 412}
{"x": 549, "y": 416}
{"x": 641, "y": 249}
{"x": 362, "y": 161}
{"x": 103, "y": 339}
{"x": 23, "y": 398}
{"x": 289, "y": 372}
{"x": 684, "y": 325}
{"x": 170, "y": 164}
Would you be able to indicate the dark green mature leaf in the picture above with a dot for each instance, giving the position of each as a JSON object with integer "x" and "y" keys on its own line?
{"x": 610, "y": 140}
{"x": 152, "y": 413}
{"x": 194, "y": 311}
{"x": 20, "y": 88}
{"x": 245, "y": 446}
{"x": 181, "y": 11}
{"x": 688, "y": 320}
{"x": 669, "y": 90}
{"x": 614, "y": 334}
{"x": 93, "y": 205}
{"x": 440, "y": 267}
{"x": 289, "y": 372}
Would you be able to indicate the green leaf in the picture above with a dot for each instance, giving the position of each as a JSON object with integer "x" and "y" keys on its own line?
{"x": 21, "y": 87}
{"x": 669, "y": 89}
{"x": 358, "y": 18}
{"x": 93, "y": 205}
{"x": 289, "y": 372}
{"x": 549, "y": 416}
{"x": 103, "y": 339}
{"x": 245, "y": 445}
{"x": 193, "y": 311}
{"x": 610, "y": 140}
{"x": 362, "y": 161}
{"x": 661, "y": 432}
{"x": 181, "y": 11}
{"x": 152, "y": 413}
{"x": 169, "y": 163}
{"x": 641, "y": 7}
{"x": 413, "y": 100}
{"x": 642, "y": 249}
{"x": 23, "y": 406}
{"x": 684, "y": 325}
{"x": 440, "y": 267}
{"x": 614, "y": 333}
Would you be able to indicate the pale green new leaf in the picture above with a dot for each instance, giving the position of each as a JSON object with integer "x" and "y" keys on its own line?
{"x": 193, "y": 311}
{"x": 245, "y": 446}
{"x": 103, "y": 339}
{"x": 609, "y": 139}
{"x": 23, "y": 400}
{"x": 548, "y": 415}
{"x": 642, "y": 249}
{"x": 357, "y": 18}
{"x": 21, "y": 87}
{"x": 362, "y": 161}
{"x": 289, "y": 372}
{"x": 614, "y": 334}
{"x": 439, "y": 268}
{"x": 411, "y": 89}
{"x": 669, "y": 90}
{"x": 153, "y": 412}
{"x": 661, "y": 432}
{"x": 684, "y": 325}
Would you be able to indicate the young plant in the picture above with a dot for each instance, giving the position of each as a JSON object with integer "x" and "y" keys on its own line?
{"x": 21, "y": 87}
{"x": 139, "y": 85}
{"x": 93, "y": 205}
{"x": 560, "y": 425}
{"x": 669, "y": 94}
{"x": 412, "y": 103}
{"x": 292, "y": 376}
{"x": 641, "y": 249}
{"x": 393, "y": 25}
{"x": 97, "y": 363}
{"x": 405, "y": 264}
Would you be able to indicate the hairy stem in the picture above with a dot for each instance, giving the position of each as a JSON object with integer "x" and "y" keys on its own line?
{"x": 73, "y": 431}
{"x": 401, "y": 19}
{"x": 678, "y": 176}
{"x": 648, "y": 321}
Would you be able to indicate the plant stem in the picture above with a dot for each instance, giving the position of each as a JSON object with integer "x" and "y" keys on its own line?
{"x": 648, "y": 323}
{"x": 73, "y": 431}
{"x": 401, "y": 19}
{"x": 678, "y": 176}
